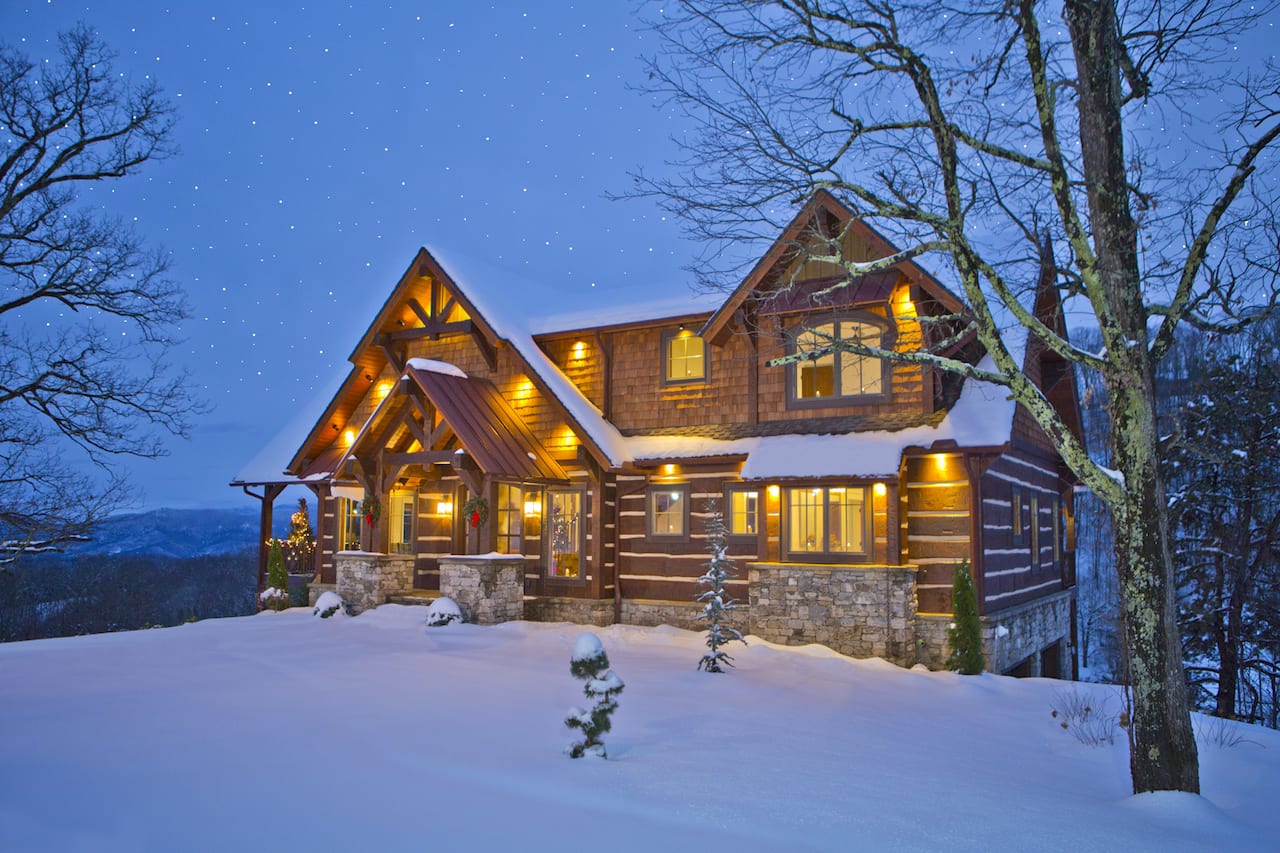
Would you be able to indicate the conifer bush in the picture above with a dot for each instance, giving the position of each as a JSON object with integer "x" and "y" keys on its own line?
{"x": 276, "y": 595}
{"x": 965, "y": 632}
{"x": 714, "y": 600}
{"x": 601, "y": 686}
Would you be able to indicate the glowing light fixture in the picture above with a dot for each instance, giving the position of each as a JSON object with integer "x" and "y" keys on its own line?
{"x": 444, "y": 507}
{"x": 533, "y": 507}
{"x": 349, "y": 437}
{"x": 940, "y": 462}
{"x": 880, "y": 489}
{"x": 773, "y": 491}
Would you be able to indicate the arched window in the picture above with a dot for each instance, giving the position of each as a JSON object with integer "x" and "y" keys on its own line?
{"x": 839, "y": 373}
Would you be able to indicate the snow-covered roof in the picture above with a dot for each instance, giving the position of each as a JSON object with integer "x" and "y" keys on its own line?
{"x": 982, "y": 417}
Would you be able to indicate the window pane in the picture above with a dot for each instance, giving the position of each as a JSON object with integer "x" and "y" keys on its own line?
{"x": 816, "y": 378}
{"x": 667, "y": 512}
{"x": 805, "y": 526}
{"x": 847, "y": 520}
{"x": 859, "y": 374}
{"x": 685, "y": 358}
{"x": 509, "y": 518}
{"x": 349, "y": 521}
{"x": 742, "y": 512}
{"x": 400, "y": 514}
{"x": 566, "y": 534}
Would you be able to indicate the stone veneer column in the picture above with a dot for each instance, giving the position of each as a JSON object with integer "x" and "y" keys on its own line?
{"x": 488, "y": 589}
{"x": 366, "y": 579}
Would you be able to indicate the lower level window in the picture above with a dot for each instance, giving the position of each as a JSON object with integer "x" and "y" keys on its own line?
{"x": 349, "y": 521}
{"x": 564, "y": 515}
{"x": 742, "y": 516}
{"x": 509, "y": 514}
{"x": 669, "y": 511}
{"x": 402, "y": 508}
{"x": 827, "y": 521}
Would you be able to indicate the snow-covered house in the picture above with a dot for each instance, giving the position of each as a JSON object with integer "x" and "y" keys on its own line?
{"x": 564, "y": 469}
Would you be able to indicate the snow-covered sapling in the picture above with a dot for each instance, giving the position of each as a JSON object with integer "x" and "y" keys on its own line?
{"x": 601, "y": 686}
{"x": 714, "y": 600}
{"x": 443, "y": 611}
{"x": 276, "y": 595}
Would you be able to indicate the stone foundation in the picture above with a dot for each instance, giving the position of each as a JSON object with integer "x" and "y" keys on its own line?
{"x": 583, "y": 611}
{"x": 488, "y": 589}
{"x": 678, "y": 614}
{"x": 365, "y": 579}
{"x": 863, "y": 611}
{"x": 1032, "y": 628}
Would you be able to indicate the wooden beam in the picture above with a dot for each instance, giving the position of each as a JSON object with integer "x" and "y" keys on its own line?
{"x": 420, "y": 457}
{"x": 490, "y": 357}
{"x": 435, "y": 330}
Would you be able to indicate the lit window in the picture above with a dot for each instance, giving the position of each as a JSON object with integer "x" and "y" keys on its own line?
{"x": 565, "y": 518}
{"x": 349, "y": 521}
{"x": 742, "y": 516}
{"x": 686, "y": 357}
{"x": 828, "y": 521}
{"x": 838, "y": 373}
{"x": 401, "y": 510}
{"x": 669, "y": 511}
{"x": 510, "y": 519}
{"x": 1015, "y": 509}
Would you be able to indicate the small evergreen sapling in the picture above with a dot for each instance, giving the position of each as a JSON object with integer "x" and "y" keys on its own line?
{"x": 591, "y": 666}
{"x": 276, "y": 595}
{"x": 965, "y": 633}
{"x": 715, "y": 602}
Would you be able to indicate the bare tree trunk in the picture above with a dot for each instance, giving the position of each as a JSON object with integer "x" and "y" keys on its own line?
{"x": 1162, "y": 752}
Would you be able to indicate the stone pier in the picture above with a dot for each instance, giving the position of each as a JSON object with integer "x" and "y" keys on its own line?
{"x": 488, "y": 588}
{"x": 365, "y": 580}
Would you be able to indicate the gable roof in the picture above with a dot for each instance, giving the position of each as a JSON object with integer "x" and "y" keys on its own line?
{"x": 821, "y": 204}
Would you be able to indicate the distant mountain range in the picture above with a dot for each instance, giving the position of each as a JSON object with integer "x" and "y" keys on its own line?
{"x": 183, "y": 533}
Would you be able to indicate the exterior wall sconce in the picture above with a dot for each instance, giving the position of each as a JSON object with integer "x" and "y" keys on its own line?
{"x": 533, "y": 508}
{"x": 444, "y": 507}
{"x": 349, "y": 437}
{"x": 880, "y": 489}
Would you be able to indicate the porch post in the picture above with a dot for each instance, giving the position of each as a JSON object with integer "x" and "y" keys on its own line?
{"x": 269, "y": 493}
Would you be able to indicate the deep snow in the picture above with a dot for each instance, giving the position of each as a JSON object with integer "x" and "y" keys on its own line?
{"x": 286, "y": 732}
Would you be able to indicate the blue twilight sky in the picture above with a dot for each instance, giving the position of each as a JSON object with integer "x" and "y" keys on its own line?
{"x": 323, "y": 142}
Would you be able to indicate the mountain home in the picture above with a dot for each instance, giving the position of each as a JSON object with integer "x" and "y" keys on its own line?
{"x": 565, "y": 470}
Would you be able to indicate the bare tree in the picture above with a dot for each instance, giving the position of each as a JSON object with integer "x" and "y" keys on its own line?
{"x": 1004, "y": 140}
{"x": 85, "y": 308}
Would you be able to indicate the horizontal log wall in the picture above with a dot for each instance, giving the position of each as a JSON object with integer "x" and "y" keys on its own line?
{"x": 936, "y": 525}
{"x": 1011, "y": 573}
{"x": 666, "y": 569}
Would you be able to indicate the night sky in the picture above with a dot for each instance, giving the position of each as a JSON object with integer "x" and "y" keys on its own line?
{"x": 323, "y": 142}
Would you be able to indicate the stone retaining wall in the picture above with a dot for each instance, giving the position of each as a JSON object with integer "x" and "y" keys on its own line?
{"x": 583, "y": 611}
{"x": 488, "y": 589}
{"x": 678, "y": 614}
{"x": 863, "y": 611}
{"x": 365, "y": 579}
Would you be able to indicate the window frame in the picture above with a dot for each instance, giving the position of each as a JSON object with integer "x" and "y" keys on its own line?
{"x": 808, "y": 324}
{"x": 1016, "y": 530}
{"x": 670, "y": 335}
{"x": 655, "y": 489}
{"x": 826, "y": 555}
{"x": 581, "y": 492}
{"x": 1034, "y": 513}
{"x": 411, "y": 541}
{"x": 499, "y": 510}
{"x": 730, "y": 489}
{"x": 348, "y": 509}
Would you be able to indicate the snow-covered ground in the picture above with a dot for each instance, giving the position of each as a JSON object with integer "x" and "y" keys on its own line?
{"x": 286, "y": 732}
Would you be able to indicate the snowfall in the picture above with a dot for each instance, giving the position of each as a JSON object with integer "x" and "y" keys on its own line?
{"x": 283, "y": 732}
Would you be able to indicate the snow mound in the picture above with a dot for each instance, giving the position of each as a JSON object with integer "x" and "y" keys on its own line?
{"x": 329, "y": 604}
{"x": 443, "y": 611}
{"x": 588, "y": 647}
{"x": 432, "y": 366}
